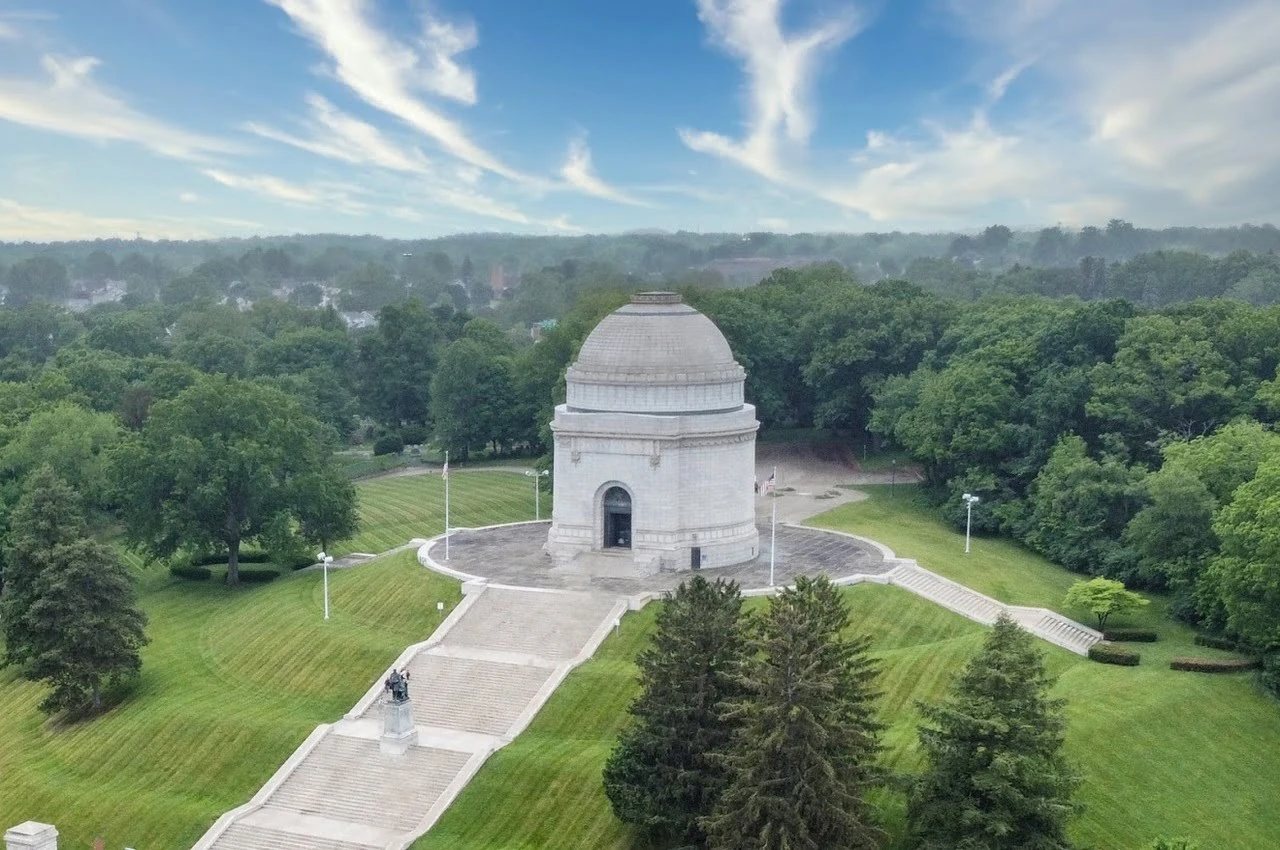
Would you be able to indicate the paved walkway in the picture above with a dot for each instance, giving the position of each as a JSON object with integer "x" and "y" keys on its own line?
{"x": 475, "y": 684}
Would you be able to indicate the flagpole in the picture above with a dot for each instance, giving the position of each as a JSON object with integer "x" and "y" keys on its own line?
{"x": 446, "y": 504}
{"x": 773, "y": 536}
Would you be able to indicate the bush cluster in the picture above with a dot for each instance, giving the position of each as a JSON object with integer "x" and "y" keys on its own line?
{"x": 258, "y": 576}
{"x": 388, "y": 444}
{"x": 1130, "y": 635}
{"x": 191, "y": 572}
{"x": 1105, "y": 653}
{"x": 299, "y": 561}
{"x": 1218, "y": 642}
{"x": 1215, "y": 665}
{"x": 217, "y": 559}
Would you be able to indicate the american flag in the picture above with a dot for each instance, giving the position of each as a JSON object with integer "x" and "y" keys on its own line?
{"x": 768, "y": 484}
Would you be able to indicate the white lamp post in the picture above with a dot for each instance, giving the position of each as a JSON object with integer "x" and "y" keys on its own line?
{"x": 969, "y": 499}
{"x": 537, "y": 490}
{"x": 326, "y": 560}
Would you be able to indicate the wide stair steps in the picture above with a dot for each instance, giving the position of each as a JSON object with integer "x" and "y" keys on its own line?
{"x": 349, "y": 779}
{"x": 948, "y": 594}
{"x": 243, "y": 836}
{"x": 472, "y": 692}
{"x": 469, "y": 694}
{"x": 1056, "y": 628}
{"x": 551, "y": 625}
{"x": 1041, "y": 622}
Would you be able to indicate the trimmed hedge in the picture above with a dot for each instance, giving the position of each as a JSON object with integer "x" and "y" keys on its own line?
{"x": 258, "y": 576}
{"x": 1105, "y": 653}
{"x": 1215, "y": 665}
{"x": 220, "y": 560}
{"x": 1131, "y": 636}
{"x": 1218, "y": 642}
{"x": 191, "y": 572}
{"x": 300, "y": 562}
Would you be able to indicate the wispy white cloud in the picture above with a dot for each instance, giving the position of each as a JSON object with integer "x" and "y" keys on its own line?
{"x": 1155, "y": 109}
{"x": 780, "y": 71}
{"x": 334, "y": 134}
{"x": 189, "y": 197}
{"x": 392, "y": 76}
{"x": 21, "y": 222}
{"x": 70, "y": 101}
{"x": 579, "y": 174}
{"x": 338, "y": 198}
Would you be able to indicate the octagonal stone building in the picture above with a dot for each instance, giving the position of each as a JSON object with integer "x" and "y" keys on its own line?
{"x": 654, "y": 446}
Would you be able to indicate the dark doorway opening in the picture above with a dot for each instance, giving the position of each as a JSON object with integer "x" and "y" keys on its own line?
{"x": 695, "y": 557}
{"x": 617, "y": 518}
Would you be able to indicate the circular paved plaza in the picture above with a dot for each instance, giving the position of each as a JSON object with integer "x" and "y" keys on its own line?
{"x": 512, "y": 554}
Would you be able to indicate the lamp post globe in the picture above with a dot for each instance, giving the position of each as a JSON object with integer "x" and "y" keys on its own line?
{"x": 969, "y": 500}
{"x": 537, "y": 490}
{"x": 325, "y": 560}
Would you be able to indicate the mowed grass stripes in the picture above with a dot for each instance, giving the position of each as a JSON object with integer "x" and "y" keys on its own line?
{"x": 232, "y": 682}
{"x": 396, "y": 509}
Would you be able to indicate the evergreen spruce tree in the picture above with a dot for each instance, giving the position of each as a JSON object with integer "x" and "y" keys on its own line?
{"x": 74, "y": 622}
{"x": 996, "y": 778}
{"x": 665, "y": 774}
{"x": 803, "y": 758}
{"x": 47, "y": 515}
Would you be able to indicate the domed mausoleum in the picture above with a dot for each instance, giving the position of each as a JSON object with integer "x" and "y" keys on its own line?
{"x": 654, "y": 447}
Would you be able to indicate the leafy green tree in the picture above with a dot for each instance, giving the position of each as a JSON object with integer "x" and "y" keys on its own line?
{"x": 994, "y": 773}
{"x": 39, "y": 278}
{"x": 804, "y": 755}
{"x": 396, "y": 362}
{"x": 1245, "y": 575}
{"x": 71, "y": 618}
{"x": 1079, "y": 508}
{"x": 471, "y": 395}
{"x": 70, "y": 440}
{"x": 326, "y": 507}
{"x": 1104, "y": 598}
{"x": 666, "y": 773}
{"x": 215, "y": 467}
{"x": 1166, "y": 376}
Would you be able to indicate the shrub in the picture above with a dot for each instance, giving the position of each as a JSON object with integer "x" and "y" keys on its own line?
{"x": 1131, "y": 635}
{"x": 298, "y": 562}
{"x": 219, "y": 559}
{"x": 1105, "y": 653}
{"x": 414, "y": 435}
{"x": 1215, "y": 665}
{"x": 194, "y": 573}
{"x": 1218, "y": 642}
{"x": 258, "y": 576}
{"x": 388, "y": 444}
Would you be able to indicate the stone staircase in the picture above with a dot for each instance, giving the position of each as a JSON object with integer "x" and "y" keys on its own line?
{"x": 475, "y": 684}
{"x": 1042, "y": 622}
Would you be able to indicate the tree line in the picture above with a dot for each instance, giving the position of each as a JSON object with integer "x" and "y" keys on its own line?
{"x": 1136, "y": 444}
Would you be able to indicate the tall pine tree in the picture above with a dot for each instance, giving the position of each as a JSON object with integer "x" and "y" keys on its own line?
{"x": 803, "y": 758}
{"x": 74, "y": 622}
{"x": 664, "y": 775}
{"x": 996, "y": 778}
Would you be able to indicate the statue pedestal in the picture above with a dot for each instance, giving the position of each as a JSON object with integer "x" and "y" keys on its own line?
{"x": 398, "y": 731}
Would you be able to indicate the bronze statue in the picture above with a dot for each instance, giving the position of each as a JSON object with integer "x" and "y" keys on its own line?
{"x": 397, "y": 686}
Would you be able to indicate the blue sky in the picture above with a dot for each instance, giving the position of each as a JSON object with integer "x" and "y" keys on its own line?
{"x": 195, "y": 118}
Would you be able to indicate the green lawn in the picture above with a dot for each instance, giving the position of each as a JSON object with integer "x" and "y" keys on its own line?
{"x": 397, "y": 509}
{"x": 1161, "y": 753}
{"x": 232, "y": 682}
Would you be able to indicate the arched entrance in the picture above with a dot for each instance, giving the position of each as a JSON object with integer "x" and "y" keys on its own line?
{"x": 617, "y": 518}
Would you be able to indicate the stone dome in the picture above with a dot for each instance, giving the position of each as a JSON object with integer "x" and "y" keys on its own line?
{"x": 655, "y": 355}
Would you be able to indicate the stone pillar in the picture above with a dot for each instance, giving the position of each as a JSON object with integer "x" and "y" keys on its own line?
{"x": 398, "y": 731}
{"x": 31, "y": 836}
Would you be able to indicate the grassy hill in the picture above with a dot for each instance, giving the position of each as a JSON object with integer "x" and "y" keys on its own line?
{"x": 234, "y": 680}
{"x": 1162, "y": 753}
